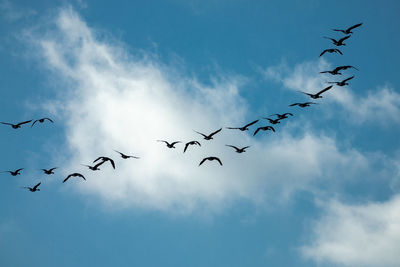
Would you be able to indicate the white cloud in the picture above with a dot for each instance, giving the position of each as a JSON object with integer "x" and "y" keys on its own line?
{"x": 357, "y": 235}
{"x": 112, "y": 100}
{"x": 381, "y": 105}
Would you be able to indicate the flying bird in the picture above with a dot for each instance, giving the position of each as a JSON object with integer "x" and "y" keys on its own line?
{"x": 49, "y": 171}
{"x": 104, "y": 159}
{"x": 337, "y": 69}
{"x": 95, "y": 167}
{"x": 126, "y": 156}
{"x": 239, "y": 150}
{"x": 16, "y": 172}
{"x": 16, "y": 126}
{"x": 190, "y": 144}
{"x": 210, "y": 136}
{"x": 265, "y": 128}
{"x": 331, "y": 50}
{"x": 344, "y": 82}
{"x": 211, "y": 159}
{"x": 282, "y": 116}
{"x": 244, "y": 128}
{"x": 75, "y": 174}
{"x": 33, "y": 189}
{"x": 276, "y": 121}
{"x": 42, "y": 120}
{"x": 318, "y": 95}
{"x": 170, "y": 145}
{"x": 302, "y": 105}
{"x": 338, "y": 42}
{"x": 348, "y": 30}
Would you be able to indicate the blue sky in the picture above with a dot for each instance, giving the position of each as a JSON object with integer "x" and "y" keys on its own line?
{"x": 321, "y": 191}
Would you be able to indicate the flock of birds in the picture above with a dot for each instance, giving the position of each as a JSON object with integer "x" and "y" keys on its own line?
{"x": 273, "y": 121}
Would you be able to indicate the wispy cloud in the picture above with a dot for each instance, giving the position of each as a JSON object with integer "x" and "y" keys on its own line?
{"x": 357, "y": 235}
{"x": 13, "y": 13}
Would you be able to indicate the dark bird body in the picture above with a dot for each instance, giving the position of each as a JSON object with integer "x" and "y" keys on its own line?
{"x": 338, "y": 42}
{"x": 16, "y": 172}
{"x": 302, "y": 105}
{"x": 126, "y": 156}
{"x": 104, "y": 159}
{"x": 276, "y": 121}
{"x": 318, "y": 95}
{"x": 265, "y": 128}
{"x": 42, "y": 120}
{"x": 191, "y": 143}
{"x": 337, "y": 69}
{"x": 33, "y": 189}
{"x": 282, "y": 116}
{"x": 239, "y": 150}
{"x": 95, "y": 167}
{"x": 210, "y": 136}
{"x": 16, "y": 126}
{"x": 49, "y": 171}
{"x": 331, "y": 50}
{"x": 211, "y": 159}
{"x": 169, "y": 145}
{"x": 348, "y": 30}
{"x": 74, "y": 175}
{"x": 244, "y": 128}
{"x": 344, "y": 82}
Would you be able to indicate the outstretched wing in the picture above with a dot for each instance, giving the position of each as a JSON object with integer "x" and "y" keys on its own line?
{"x": 53, "y": 168}
{"x": 217, "y": 131}
{"x": 251, "y": 123}
{"x": 186, "y": 146}
{"x": 217, "y": 159}
{"x": 66, "y": 179}
{"x": 340, "y": 52}
{"x": 337, "y": 30}
{"x": 245, "y": 147}
{"x": 294, "y": 104}
{"x": 36, "y": 186}
{"x": 201, "y": 134}
{"x": 201, "y": 162}
{"x": 306, "y": 93}
{"x": 258, "y": 129}
{"x": 50, "y": 120}
{"x": 272, "y": 128}
{"x": 99, "y": 158}
{"x": 19, "y": 170}
{"x": 232, "y": 127}
{"x": 24, "y": 122}
{"x": 7, "y": 123}
{"x": 324, "y": 90}
{"x": 348, "y": 79}
{"x": 122, "y": 154}
{"x": 333, "y": 40}
{"x": 354, "y": 26}
{"x": 112, "y": 163}
{"x": 323, "y": 52}
{"x": 344, "y": 38}
{"x": 233, "y": 147}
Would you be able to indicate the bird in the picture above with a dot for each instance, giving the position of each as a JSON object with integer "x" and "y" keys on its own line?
{"x": 331, "y": 50}
{"x": 49, "y": 171}
{"x": 95, "y": 167}
{"x": 42, "y": 120}
{"x": 318, "y": 95}
{"x": 344, "y": 82}
{"x": 210, "y": 136}
{"x": 239, "y": 150}
{"x": 265, "y": 128}
{"x": 16, "y": 126}
{"x": 244, "y": 128}
{"x": 338, "y": 42}
{"x": 104, "y": 159}
{"x": 302, "y": 105}
{"x": 276, "y": 121}
{"x": 75, "y": 174}
{"x": 126, "y": 156}
{"x": 337, "y": 69}
{"x": 33, "y": 189}
{"x": 190, "y": 143}
{"x": 211, "y": 158}
{"x": 170, "y": 145}
{"x": 16, "y": 172}
{"x": 348, "y": 30}
{"x": 282, "y": 116}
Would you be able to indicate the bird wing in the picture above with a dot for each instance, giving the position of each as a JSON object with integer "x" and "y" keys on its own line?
{"x": 112, "y": 163}
{"x": 7, "y": 123}
{"x": 36, "y": 186}
{"x": 306, "y": 93}
{"x": 119, "y": 152}
{"x": 80, "y": 175}
{"x": 333, "y": 40}
{"x": 186, "y": 146}
{"x": 97, "y": 165}
{"x": 201, "y": 162}
{"x": 272, "y": 128}
{"x": 34, "y": 123}
{"x": 348, "y": 79}
{"x": 288, "y": 113}
{"x": 323, "y": 52}
{"x": 197, "y": 142}
{"x": 201, "y": 134}
{"x": 354, "y": 26}
{"x": 337, "y": 30}
{"x": 233, "y": 147}
{"x": 176, "y": 142}
{"x": 24, "y": 122}
{"x": 66, "y": 179}
{"x": 324, "y": 90}
{"x": 217, "y": 131}
{"x": 50, "y": 120}
{"x": 251, "y": 123}
{"x": 19, "y": 170}
{"x": 340, "y": 52}
{"x": 217, "y": 159}
{"x": 344, "y": 38}
{"x": 53, "y": 168}
{"x": 257, "y": 131}
{"x": 232, "y": 127}
{"x": 245, "y": 147}
{"x": 294, "y": 104}
{"x": 99, "y": 158}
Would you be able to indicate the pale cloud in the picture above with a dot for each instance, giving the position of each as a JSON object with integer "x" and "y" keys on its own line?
{"x": 12, "y": 13}
{"x": 357, "y": 235}
{"x": 381, "y": 105}
{"x": 113, "y": 100}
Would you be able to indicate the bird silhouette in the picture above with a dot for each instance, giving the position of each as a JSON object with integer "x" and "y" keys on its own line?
{"x": 16, "y": 172}
{"x": 170, "y": 145}
{"x": 344, "y": 82}
{"x": 42, "y": 120}
{"x": 348, "y": 30}
{"x": 302, "y": 105}
{"x": 276, "y": 121}
{"x": 104, "y": 159}
{"x": 75, "y": 174}
{"x": 33, "y": 189}
{"x": 239, "y": 150}
{"x": 210, "y": 136}
{"x": 16, "y": 126}
{"x": 318, "y": 95}
{"x": 331, "y": 50}
{"x": 190, "y": 144}
{"x": 49, "y": 171}
{"x": 338, "y": 42}
{"x": 244, "y": 128}
{"x": 282, "y": 116}
{"x": 337, "y": 69}
{"x": 265, "y": 128}
{"x": 126, "y": 156}
{"x": 211, "y": 159}
{"x": 95, "y": 167}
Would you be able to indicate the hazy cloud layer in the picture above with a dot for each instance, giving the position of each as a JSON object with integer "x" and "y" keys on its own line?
{"x": 357, "y": 235}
